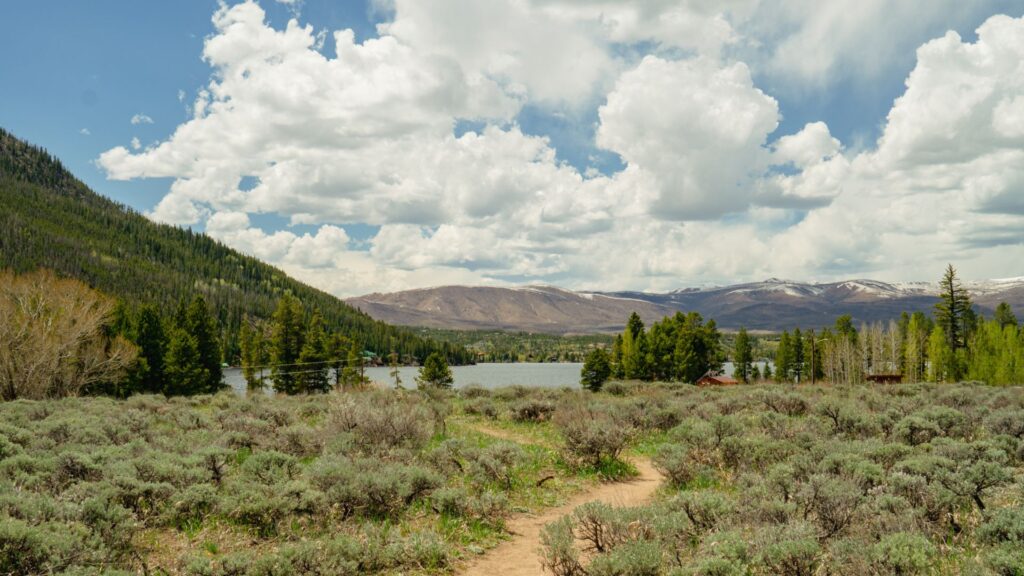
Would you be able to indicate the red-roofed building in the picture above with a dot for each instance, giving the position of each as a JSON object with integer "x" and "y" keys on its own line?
{"x": 713, "y": 380}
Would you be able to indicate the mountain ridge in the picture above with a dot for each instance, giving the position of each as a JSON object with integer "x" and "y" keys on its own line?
{"x": 769, "y": 305}
{"x": 50, "y": 219}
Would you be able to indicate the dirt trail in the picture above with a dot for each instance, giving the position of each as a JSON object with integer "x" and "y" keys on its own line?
{"x": 507, "y": 435}
{"x": 520, "y": 556}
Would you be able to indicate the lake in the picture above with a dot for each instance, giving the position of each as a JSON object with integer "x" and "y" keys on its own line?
{"x": 486, "y": 375}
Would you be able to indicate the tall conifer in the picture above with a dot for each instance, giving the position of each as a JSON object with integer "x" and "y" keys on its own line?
{"x": 286, "y": 343}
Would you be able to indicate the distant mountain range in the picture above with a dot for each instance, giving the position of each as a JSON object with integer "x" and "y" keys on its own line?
{"x": 771, "y": 305}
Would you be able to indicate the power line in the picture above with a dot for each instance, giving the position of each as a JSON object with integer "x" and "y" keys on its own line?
{"x": 260, "y": 367}
{"x": 298, "y": 372}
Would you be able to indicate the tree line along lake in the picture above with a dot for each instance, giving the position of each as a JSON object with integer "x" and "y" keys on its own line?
{"x": 486, "y": 375}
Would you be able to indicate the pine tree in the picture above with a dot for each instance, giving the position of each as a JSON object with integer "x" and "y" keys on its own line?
{"x": 339, "y": 346}
{"x": 286, "y": 344}
{"x": 634, "y": 348}
{"x": 755, "y": 373}
{"x": 435, "y": 373}
{"x": 396, "y": 372}
{"x": 184, "y": 372}
{"x": 1004, "y": 315}
{"x": 845, "y": 329}
{"x": 149, "y": 335}
{"x": 635, "y": 326}
{"x": 254, "y": 353}
{"x": 314, "y": 371}
{"x": 766, "y": 373}
{"x": 202, "y": 326}
{"x": 618, "y": 370}
{"x": 121, "y": 321}
{"x": 783, "y": 358}
{"x": 596, "y": 370}
{"x": 953, "y": 311}
{"x": 352, "y": 373}
{"x": 698, "y": 349}
{"x": 742, "y": 357}
{"x": 796, "y": 353}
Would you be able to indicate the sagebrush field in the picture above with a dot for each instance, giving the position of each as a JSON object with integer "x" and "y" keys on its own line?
{"x": 800, "y": 480}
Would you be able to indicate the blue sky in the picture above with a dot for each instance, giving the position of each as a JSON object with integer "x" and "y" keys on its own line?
{"x": 95, "y": 65}
{"x": 75, "y": 74}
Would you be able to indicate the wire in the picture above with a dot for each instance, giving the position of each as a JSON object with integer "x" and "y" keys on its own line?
{"x": 298, "y": 372}
{"x": 339, "y": 361}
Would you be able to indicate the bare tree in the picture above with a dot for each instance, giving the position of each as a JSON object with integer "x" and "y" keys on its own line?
{"x": 54, "y": 337}
{"x": 893, "y": 348}
{"x": 841, "y": 361}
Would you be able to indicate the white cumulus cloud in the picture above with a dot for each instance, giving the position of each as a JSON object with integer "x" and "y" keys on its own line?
{"x": 696, "y": 128}
{"x": 364, "y": 133}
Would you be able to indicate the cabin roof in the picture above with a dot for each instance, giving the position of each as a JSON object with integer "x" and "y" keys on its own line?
{"x": 719, "y": 379}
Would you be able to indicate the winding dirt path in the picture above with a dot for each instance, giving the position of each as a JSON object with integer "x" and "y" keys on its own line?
{"x": 520, "y": 556}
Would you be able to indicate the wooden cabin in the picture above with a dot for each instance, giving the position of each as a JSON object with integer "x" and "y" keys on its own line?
{"x": 884, "y": 378}
{"x": 713, "y": 380}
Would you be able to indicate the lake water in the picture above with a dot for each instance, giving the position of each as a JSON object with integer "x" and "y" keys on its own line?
{"x": 555, "y": 375}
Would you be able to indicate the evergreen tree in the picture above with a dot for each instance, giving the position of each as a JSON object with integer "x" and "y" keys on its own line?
{"x": 435, "y": 373}
{"x": 766, "y": 373}
{"x": 286, "y": 342}
{"x": 660, "y": 347}
{"x": 845, "y": 329}
{"x": 634, "y": 348}
{"x": 742, "y": 357}
{"x": 184, "y": 373}
{"x": 352, "y": 373}
{"x": 596, "y": 370}
{"x": 314, "y": 370}
{"x": 755, "y": 373}
{"x": 783, "y": 358}
{"x": 254, "y": 353}
{"x": 149, "y": 335}
{"x": 953, "y": 311}
{"x": 339, "y": 348}
{"x": 202, "y": 326}
{"x": 698, "y": 348}
{"x": 396, "y": 372}
{"x": 1004, "y": 315}
{"x": 635, "y": 326}
{"x": 797, "y": 369}
{"x": 180, "y": 317}
{"x": 122, "y": 321}
{"x": 618, "y": 371}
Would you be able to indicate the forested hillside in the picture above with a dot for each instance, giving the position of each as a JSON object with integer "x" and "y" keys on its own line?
{"x": 50, "y": 219}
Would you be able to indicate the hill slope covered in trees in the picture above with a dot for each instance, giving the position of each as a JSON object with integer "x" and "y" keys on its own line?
{"x": 50, "y": 219}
